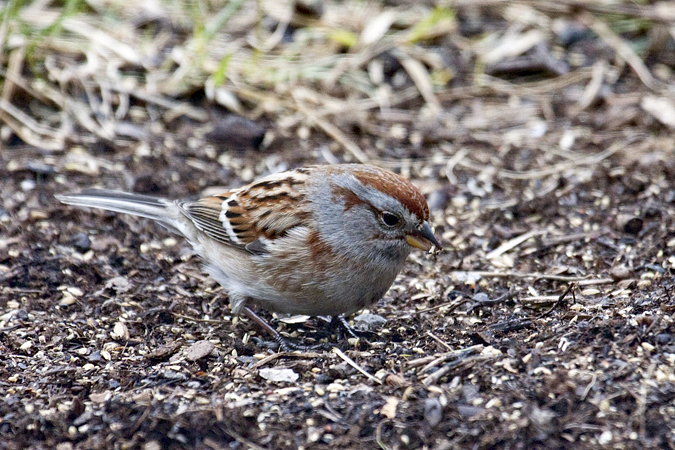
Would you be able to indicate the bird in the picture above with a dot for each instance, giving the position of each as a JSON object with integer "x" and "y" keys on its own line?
{"x": 323, "y": 240}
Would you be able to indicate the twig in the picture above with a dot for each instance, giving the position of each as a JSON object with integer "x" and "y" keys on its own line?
{"x": 331, "y": 130}
{"x": 423, "y": 360}
{"x": 452, "y": 162}
{"x": 477, "y": 302}
{"x": 241, "y": 439}
{"x": 651, "y": 12}
{"x": 559, "y": 302}
{"x": 25, "y": 124}
{"x": 513, "y": 243}
{"x": 439, "y": 340}
{"x": 137, "y": 424}
{"x": 418, "y": 73}
{"x": 535, "y": 275}
{"x": 445, "y": 356}
{"x": 274, "y": 356}
{"x": 378, "y": 436}
{"x": 351, "y": 362}
{"x": 575, "y": 237}
{"x": 511, "y": 325}
{"x": 539, "y": 299}
{"x": 593, "y": 87}
{"x": 194, "y": 319}
{"x": 442, "y": 305}
{"x": 183, "y": 107}
{"x": 555, "y": 168}
{"x": 434, "y": 377}
{"x": 589, "y": 386}
{"x": 622, "y": 49}
{"x": 531, "y": 89}
{"x": 596, "y": 282}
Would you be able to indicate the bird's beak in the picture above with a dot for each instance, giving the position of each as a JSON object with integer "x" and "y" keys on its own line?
{"x": 423, "y": 238}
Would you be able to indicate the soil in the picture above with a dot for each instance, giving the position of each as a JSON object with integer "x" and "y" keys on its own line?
{"x": 546, "y": 322}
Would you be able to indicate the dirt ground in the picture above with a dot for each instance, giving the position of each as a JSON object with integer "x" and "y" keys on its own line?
{"x": 542, "y": 135}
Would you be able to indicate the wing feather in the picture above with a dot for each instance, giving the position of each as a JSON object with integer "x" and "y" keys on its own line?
{"x": 249, "y": 217}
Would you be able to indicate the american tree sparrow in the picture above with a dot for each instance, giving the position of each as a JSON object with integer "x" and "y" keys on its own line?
{"x": 321, "y": 241}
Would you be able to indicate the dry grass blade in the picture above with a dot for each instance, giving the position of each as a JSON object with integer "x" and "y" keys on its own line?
{"x": 533, "y": 88}
{"x": 445, "y": 356}
{"x": 433, "y": 378}
{"x": 556, "y": 168}
{"x": 513, "y": 243}
{"x": 278, "y": 355}
{"x": 623, "y": 50}
{"x": 352, "y": 363}
{"x": 420, "y": 77}
{"x": 30, "y": 130}
{"x": 331, "y": 130}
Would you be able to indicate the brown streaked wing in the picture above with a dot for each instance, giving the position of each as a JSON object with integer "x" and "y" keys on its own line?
{"x": 265, "y": 209}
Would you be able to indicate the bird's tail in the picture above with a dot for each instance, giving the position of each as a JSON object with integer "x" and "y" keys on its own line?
{"x": 163, "y": 211}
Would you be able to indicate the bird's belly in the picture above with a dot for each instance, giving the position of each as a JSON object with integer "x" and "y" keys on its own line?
{"x": 344, "y": 291}
{"x": 292, "y": 284}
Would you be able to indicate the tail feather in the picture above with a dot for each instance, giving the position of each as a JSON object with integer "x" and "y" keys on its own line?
{"x": 163, "y": 211}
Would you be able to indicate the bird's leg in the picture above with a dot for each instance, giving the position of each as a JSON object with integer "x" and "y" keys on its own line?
{"x": 341, "y": 320}
{"x": 283, "y": 343}
{"x": 262, "y": 323}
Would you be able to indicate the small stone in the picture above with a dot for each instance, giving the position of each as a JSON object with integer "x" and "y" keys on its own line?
{"x": 605, "y": 438}
{"x": 199, "y": 350}
{"x": 314, "y": 434}
{"x": 173, "y": 375}
{"x": 99, "y": 397}
{"x": 620, "y": 273}
{"x": 629, "y": 223}
{"x": 469, "y": 411}
{"x": 152, "y": 445}
{"x": 165, "y": 351}
{"x": 81, "y": 242}
{"x": 279, "y": 375}
{"x": 28, "y": 185}
{"x": 389, "y": 408}
{"x": 121, "y": 331}
{"x": 663, "y": 338}
{"x": 395, "y": 380}
{"x": 433, "y": 411}
{"x": 67, "y": 299}
{"x": 368, "y": 322}
{"x": 236, "y": 132}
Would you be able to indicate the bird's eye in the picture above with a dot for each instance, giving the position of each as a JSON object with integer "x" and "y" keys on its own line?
{"x": 390, "y": 219}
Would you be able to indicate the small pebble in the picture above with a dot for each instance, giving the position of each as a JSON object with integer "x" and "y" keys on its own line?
{"x": 620, "y": 273}
{"x": 199, "y": 350}
{"x": 629, "y": 223}
{"x": 368, "y": 322}
{"x": 433, "y": 411}
{"x": 81, "y": 242}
